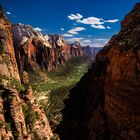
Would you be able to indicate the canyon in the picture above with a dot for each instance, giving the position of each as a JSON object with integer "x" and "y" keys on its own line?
{"x": 103, "y": 105}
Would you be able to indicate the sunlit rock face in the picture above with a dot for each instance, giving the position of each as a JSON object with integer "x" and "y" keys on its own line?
{"x": 21, "y": 118}
{"x": 34, "y": 50}
{"x": 105, "y": 104}
{"x": 8, "y": 64}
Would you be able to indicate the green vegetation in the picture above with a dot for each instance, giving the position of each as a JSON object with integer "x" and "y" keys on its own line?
{"x": 67, "y": 75}
{"x": 16, "y": 84}
{"x": 12, "y": 83}
{"x": 29, "y": 114}
{"x": 52, "y": 88}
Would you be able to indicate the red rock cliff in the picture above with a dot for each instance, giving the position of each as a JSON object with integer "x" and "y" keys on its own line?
{"x": 105, "y": 104}
{"x": 21, "y": 118}
{"x": 33, "y": 50}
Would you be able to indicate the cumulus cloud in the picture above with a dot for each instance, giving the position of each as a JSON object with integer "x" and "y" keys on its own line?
{"x": 67, "y": 35}
{"x": 92, "y": 20}
{"x": 98, "y": 26}
{"x": 95, "y": 22}
{"x": 8, "y": 13}
{"x": 38, "y": 29}
{"x": 112, "y": 21}
{"x": 76, "y": 16}
{"x": 62, "y": 29}
{"x": 76, "y": 30}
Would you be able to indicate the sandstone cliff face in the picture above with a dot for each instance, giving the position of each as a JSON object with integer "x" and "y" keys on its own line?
{"x": 105, "y": 103}
{"x": 20, "y": 116}
{"x": 8, "y": 64}
{"x": 33, "y": 50}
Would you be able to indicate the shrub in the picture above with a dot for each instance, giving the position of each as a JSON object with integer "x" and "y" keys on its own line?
{"x": 15, "y": 83}
{"x": 29, "y": 114}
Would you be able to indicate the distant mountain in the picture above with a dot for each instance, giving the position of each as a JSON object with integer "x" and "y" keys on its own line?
{"x": 92, "y": 51}
{"x": 34, "y": 50}
{"x": 76, "y": 43}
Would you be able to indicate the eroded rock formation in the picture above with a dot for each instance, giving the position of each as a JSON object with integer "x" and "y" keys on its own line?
{"x": 21, "y": 117}
{"x": 33, "y": 50}
{"x": 105, "y": 104}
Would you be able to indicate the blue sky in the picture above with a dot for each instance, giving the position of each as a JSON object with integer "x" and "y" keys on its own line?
{"x": 91, "y": 22}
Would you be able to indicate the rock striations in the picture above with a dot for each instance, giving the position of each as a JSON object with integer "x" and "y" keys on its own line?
{"x": 105, "y": 104}
{"x": 31, "y": 47}
{"x": 21, "y": 118}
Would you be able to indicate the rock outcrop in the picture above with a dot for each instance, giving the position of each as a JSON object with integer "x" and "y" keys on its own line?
{"x": 33, "y": 50}
{"x": 8, "y": 64}
{"x": 105, "y": 103}
{"x": 21, "y": 118}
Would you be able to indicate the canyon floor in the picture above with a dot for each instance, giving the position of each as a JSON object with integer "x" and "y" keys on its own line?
{"x": 52, "y": 88}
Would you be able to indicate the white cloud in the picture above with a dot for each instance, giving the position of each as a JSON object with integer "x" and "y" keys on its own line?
{"x": 112, "y": 21}
{"x": 108, "y": 27}
{"x": 62, "y": 29}
{"x": 67, "y": 35}
{"x": 8, "y": 13}
{"x": 98, "y": 26}
{"x": 76, "y": 16}
{"x": 76, "y": 30}
{"x": 100, "y": 39}
{"x": 71, "y": 40}
{"x": 91, "y": 20}
{"x": 98, "y": 23}
{"x": 38, "y": 29}
{"x": 99, "y": 42}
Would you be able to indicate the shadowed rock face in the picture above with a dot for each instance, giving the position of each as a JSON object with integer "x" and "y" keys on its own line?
{"x": 15, "y": 122}
{"x": 105, "y": 104}
{"x": 33, "y": 50}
